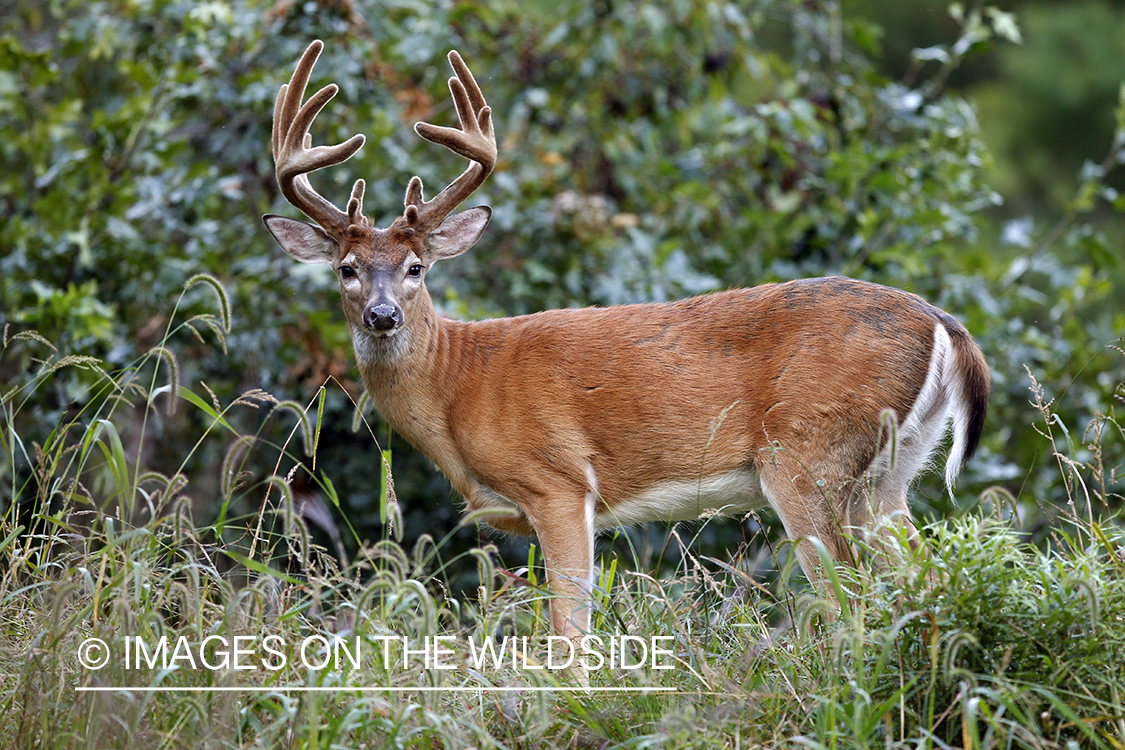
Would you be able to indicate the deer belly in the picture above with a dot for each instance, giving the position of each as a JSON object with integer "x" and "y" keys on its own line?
{"x": 733, "y": 492}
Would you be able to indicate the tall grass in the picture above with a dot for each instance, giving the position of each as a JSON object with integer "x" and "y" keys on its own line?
{"x": 973, "y": 638}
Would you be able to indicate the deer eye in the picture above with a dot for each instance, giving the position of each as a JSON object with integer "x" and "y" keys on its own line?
{"x": 346, "y": 272}
{"x": 415, "y": 270}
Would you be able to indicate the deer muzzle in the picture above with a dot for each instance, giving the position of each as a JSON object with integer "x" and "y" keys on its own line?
{"x": 382, "y": 316}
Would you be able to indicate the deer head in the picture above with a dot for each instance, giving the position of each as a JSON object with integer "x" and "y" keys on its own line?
{"x": 381, "y": 271}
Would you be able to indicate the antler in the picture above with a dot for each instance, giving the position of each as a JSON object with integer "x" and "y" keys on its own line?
{"x": 294, "y": 156}
{"x": 475, "y": 140}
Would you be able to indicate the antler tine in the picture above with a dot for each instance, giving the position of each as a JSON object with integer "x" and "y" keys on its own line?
{"x": 355, "y": 203}
{"x": 475, "y": 140}
{"x": 293, "y": 153}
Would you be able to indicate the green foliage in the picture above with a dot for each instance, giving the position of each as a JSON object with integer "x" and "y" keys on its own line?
{"x": 1057, "y": 98}
{"x": 994, "y": 630}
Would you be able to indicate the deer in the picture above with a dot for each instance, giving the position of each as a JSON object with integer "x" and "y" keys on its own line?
{"x": 821, "y": 398}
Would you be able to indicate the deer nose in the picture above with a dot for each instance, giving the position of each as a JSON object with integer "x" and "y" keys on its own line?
{"x": 382, "y": 317}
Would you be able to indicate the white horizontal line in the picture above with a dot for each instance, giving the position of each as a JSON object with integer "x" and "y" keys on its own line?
{"x": 365, "y": 689}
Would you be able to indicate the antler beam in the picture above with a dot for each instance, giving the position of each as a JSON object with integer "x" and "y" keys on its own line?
{"x": 474, "y": 139}
{"x": 294, "y": 155}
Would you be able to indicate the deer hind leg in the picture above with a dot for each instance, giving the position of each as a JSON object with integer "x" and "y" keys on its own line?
{"x": 904, "y": 453}
{"x": 883, "y": 510}
{"x": 883, "y": 517}
{"x": 809, "y": 507}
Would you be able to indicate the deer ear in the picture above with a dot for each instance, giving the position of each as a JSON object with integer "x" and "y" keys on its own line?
{"x": 457, "y": 233}
{"x": 306, "y": 242}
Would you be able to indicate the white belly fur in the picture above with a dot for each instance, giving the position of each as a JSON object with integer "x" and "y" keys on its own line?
{"x": 734, "y": 492}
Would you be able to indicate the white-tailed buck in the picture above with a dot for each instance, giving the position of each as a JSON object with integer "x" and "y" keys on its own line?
{"x": 567, "y": 422}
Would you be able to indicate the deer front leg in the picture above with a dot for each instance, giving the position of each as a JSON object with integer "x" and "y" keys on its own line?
{"x": 567, "y": 539}
{"x": 566, "y": 535}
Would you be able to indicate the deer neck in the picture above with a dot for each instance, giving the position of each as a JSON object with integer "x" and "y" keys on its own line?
{"x": 407, "y": 377}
